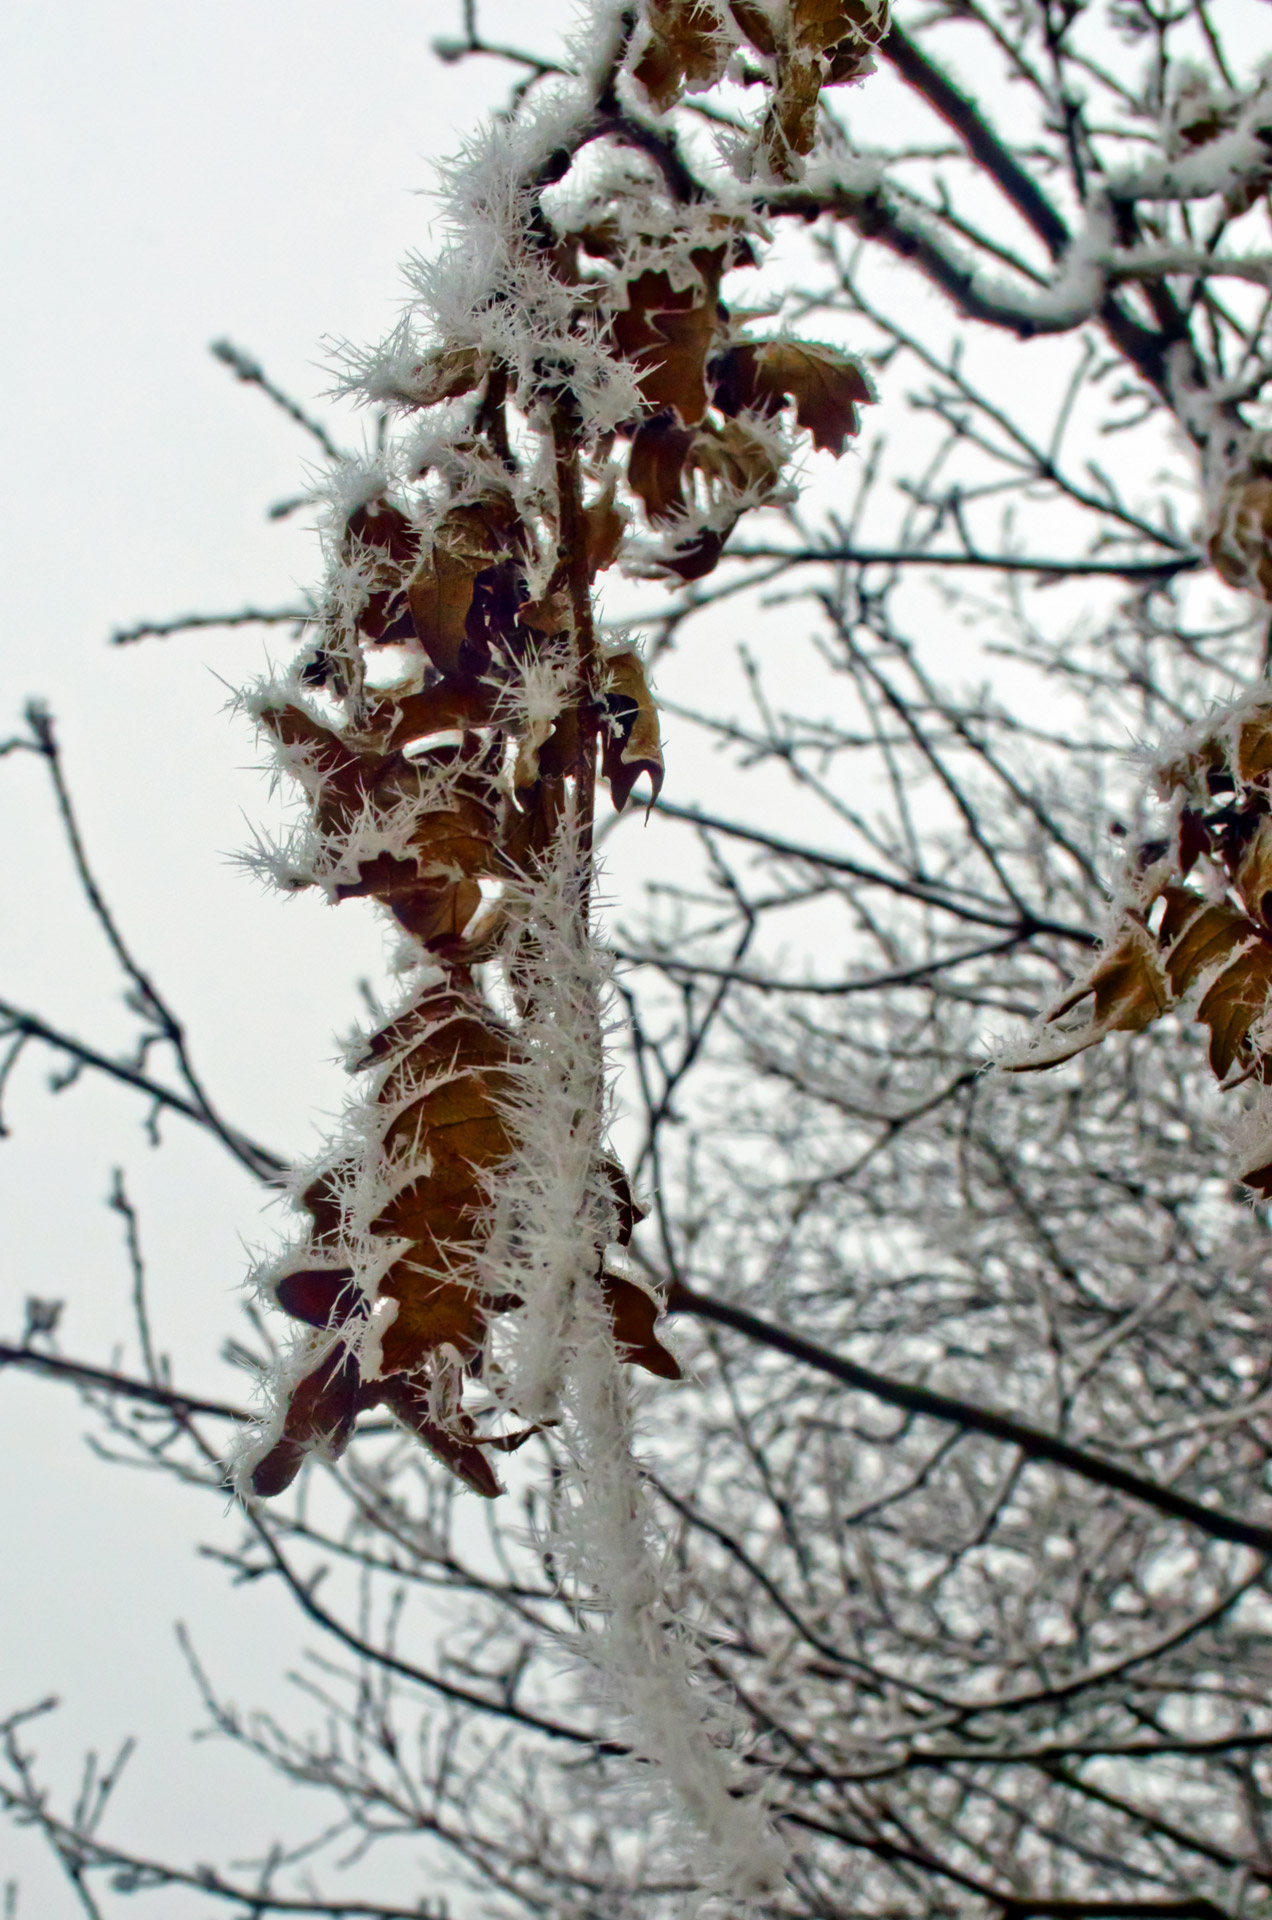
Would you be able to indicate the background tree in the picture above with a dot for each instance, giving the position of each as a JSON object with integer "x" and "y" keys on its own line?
{"x": 965, "y": 1494}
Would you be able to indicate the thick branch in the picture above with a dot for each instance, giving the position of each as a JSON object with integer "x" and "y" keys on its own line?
{"x": 1163, "y": 569}
{"x": 981, "y": 915}
{"x": 1032, "y": 1441}
{"x": 984, "y": 146}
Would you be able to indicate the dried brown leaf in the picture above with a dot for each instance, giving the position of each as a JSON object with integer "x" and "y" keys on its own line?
{"x": 667, "y": 333}
{"x": 446, "y": 373}
{"x": 1127, "y": 990}
{"x": 693, "y": 559}
{"x": 604, "y": 525}
{"x": 1254, "y": 873}
{"x": 1254, "y": 746}
{"x": 734, "y": 457}
{"x": 635, "y": 1315}
{"x": 827, "y": 386}
{"x": 1240, "y": 546}
{"x": 466, "y": 545}
{"x": 1201, "y": 935}
{"x": 688, "y": 46}
{"x": 655, "y": 467}
{"x": 630, "y": 743}
{"x": 1232, "y": 1005}
{"x": 754, "y": 22}
{"x": 321, "y": 1411}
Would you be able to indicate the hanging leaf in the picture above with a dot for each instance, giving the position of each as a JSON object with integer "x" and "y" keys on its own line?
{"x": 1199, "y": 936}
{"x": 1233, "y": 1004}
{"x": 1254, "y": 873}
{"x": 1240, "y": 546}
{"x": 604, "y": 526}
{"x": 1127, "y": 993}
{"x": 688, "y": 46}
{"x": 656, "y": 464}
{"x": 734, "y": 458}
{"x": 754, "y": 22}
{"x": 447, "y": 373}
{"x": 693, "y": 559}
{"x": 630, "y": 744}
{"x": 1254, "y": 744}
{"x": 456, "y": 1444}
{"x": 667, "y": 333}
{"x": 790, "y": 124}
{"x": 827, "y": 386}
{"x": 635, "y": 1315}
{"x": 468, "y": 543}
{"x": 321, "y": 1411}
{"x": 322, "y": 1297}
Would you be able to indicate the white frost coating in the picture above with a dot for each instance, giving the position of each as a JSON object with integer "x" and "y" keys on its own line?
{"x": 1223, "y": 165}
{"x": 490, "y": 290}
{"x": 371, "y": 1349}
{"x": 647, "y": 1655}
{"x": 553, "y": 1215}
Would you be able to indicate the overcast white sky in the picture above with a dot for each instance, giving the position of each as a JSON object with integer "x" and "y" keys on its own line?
{"x": 248, "y": 168}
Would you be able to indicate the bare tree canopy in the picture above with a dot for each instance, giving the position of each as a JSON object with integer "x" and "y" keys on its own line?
{"x": 826, "y": 477}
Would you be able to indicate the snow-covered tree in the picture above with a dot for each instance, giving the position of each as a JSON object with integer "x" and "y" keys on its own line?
{"x": 791, "y": 669}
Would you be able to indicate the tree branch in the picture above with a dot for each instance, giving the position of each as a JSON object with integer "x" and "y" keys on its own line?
{"x": 1032, "y": 1441}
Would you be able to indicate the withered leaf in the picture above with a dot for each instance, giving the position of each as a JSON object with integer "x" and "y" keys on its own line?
{"x": 385, "y": 534}
{"x": 438, "y": 912}
{"x": 436, "y": 709}
{"x": 1257, "y": 1175}
{"x": 1254, "y": 872}
{"x": 1192, "y": 841}
{"x": 530, "y": 745}
{"x": 656, "y": 465}
{"x": 821, "y": 24}
{"x": 693, "y": 559}
{"x": 320, "y": 1296}
{"x": 455, "y": 1445}
{"x": 346, "y": 774}
{"x": 629, "y": 1211}
{"x": 385, "y": 527}
{"x": 687, "y": 47}
{"x": 1128, "y": 992}
{"x": 1201, "y": 934}
{"x": 733, "y": 457}
{"x": 1254, "y": 745}
{"x": 432, "y": 1313}
{"x": 827, "y": 386}
{"x": 635, "y": 1314}
{"x": 604, "y": 525}
{"x": 1240, "y": 546}
{"x": 320, "y": 1414}
{"x": 630, "y": 744}
{"x": 790, "y": 124}
{"x": 550, "y": 614}
{"x": 467, "y": 543}
{"x": 446, "y": 373}
{"x": 755, "y": 24}
{"x": 1234, "y": 1002}
{"x": 667, "y": 333}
